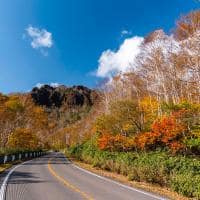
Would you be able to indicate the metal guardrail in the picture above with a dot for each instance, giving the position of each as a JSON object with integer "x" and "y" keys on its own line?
{"x": 20, "y": 156}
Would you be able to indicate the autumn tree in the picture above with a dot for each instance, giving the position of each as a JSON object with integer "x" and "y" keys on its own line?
{"x": 187, "y": 25}
{"x": 165, "y": 132}
{"x": 10, "y": 116}
{"x": 125, "y": 118}
{"x": 23, "y": 139}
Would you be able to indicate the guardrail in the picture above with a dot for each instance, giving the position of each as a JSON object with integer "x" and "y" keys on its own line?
{"x": 20, "y": 156}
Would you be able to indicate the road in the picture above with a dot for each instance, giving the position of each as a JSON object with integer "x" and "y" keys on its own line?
{"x": 52, "y": 177}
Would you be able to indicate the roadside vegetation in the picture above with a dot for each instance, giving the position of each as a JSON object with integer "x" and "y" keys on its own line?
{"x": 3, "y": 167}
{"x": 178, "y": 172}
{"x": 145, "y": 123}
{"x": 147, "y": 126}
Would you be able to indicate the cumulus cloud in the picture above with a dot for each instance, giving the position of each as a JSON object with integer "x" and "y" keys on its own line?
{"x": 111, "y": 62}
{"x": 55, "y": 85}
{"x": 41, "y": 38}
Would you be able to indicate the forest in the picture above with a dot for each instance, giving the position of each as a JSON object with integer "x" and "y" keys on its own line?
{"x": 144, "y": 124}
{"x": 147, "y": 124}
{"x": 34, "y": 120}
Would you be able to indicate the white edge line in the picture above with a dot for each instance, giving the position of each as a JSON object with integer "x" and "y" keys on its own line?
{"x": 122, "y": 185}
{"x": 5, "y": 181}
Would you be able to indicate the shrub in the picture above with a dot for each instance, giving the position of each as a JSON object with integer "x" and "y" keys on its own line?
{"x": 186, "y": 184}
{"x": 166, "y": 132}
{"x": 115, "y": 142}
{"x": 179, "y": 173}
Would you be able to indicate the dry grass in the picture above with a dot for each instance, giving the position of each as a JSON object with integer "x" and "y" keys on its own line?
{"x": 163, "y": 191}
{"x": 3, "y": 167}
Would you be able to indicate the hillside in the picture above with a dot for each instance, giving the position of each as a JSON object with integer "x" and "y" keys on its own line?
{"x": 42, "y": 113}
{"x": 62, "y": 95}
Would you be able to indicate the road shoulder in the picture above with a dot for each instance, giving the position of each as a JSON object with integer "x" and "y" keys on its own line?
{"x": 123, "y": 179}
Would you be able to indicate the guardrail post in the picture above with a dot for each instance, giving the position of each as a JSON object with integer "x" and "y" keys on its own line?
{"x": 5, "y": 159}
{"x": 13, "y": 157}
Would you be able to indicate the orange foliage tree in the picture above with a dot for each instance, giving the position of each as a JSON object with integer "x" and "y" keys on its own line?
{"x": 115, "y": 142}
{"x": 165, "y": 132}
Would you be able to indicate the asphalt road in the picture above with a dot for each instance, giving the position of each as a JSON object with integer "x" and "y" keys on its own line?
{"x": 52, "y": 177}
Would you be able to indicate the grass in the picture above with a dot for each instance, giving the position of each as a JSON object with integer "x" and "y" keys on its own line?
{"x": 163, "y": 191}
{"x": 179, "y": 173}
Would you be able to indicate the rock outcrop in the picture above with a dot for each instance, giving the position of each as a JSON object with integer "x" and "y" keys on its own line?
{"x": 69, "y": 96}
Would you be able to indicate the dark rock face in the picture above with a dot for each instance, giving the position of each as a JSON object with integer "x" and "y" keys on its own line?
{"x": 57, "y": 96}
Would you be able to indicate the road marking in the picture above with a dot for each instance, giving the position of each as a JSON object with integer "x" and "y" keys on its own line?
{"x": 5, "y": 181}
{"x": 119, "y": 184}
{"x": 67, "y": 183}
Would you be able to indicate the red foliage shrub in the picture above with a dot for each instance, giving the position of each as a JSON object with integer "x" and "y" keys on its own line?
{"x": 166, "y": 132}
{"x": 104, "y": 142}
{"x": 115, "y": 142}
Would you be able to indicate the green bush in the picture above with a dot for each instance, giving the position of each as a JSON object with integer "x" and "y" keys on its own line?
{"x": 186, "y": 184}
{"x": 181, "y": 174}
{"x": 193, "y": 145}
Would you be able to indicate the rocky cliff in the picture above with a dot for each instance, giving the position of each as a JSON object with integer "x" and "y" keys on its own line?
{"x": 62, "y": 95}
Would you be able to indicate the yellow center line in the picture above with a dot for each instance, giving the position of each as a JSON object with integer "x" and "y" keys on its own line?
{"x": 67, "y": 183}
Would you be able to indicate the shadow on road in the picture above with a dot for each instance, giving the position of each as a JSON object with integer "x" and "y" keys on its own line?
{"x": 27, "y": 177}
{"x": 24, "y": 178}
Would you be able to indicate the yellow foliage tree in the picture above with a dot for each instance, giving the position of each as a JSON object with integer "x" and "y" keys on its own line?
{"x": 149, "y": 107}
{"x": 14, "y": 104}
{"x": 23, "y": 139}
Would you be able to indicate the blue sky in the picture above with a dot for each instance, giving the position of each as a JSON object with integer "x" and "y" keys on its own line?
{"x": 61, "y": 41}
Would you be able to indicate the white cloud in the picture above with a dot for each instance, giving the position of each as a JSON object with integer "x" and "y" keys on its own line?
{"x": 54, "y": 85}
{"x": 39, "y": 85}
{"x": 125, "y": 32}
{"x": 41, "y": 38}
{"x": 111, "y": 62}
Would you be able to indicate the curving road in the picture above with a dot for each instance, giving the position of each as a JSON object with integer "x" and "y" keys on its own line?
{"x": 52, "y": 177}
